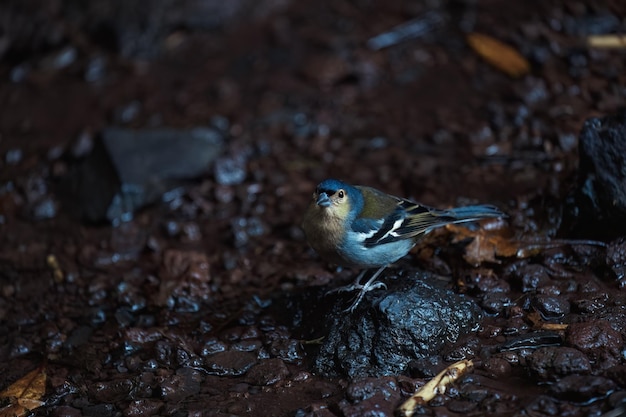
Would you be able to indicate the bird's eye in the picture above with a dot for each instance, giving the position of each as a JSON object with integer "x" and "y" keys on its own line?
{"x": 341, "y": 193}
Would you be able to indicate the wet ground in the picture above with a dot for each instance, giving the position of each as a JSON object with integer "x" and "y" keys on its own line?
{"x": 196, "y": 293}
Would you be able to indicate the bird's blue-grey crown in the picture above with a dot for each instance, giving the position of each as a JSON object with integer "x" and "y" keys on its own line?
{"x": 330, "y": 186}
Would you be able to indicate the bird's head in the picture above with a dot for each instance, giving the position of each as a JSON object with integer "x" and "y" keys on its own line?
{"x": 336, "y": 198}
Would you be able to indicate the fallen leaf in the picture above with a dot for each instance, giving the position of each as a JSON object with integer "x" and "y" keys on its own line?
{"x": 607, "y": 41}
{"x": 438, "y": 385}
{"x": 486, "y": 244}
{"x": 53, "y": 264}
{"x": 24, "y": 394}
{"x": 539, "y": 324}
{"x": 500, "y": 55}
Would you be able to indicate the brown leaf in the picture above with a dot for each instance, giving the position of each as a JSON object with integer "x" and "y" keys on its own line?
{"x": 539, "y": 324}
{"x": 486, "y": 244}
{"x": 500, "y": 55}
{"x": 25, "y": 394}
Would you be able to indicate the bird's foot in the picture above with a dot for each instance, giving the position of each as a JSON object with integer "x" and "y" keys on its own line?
{"x": 363, "y": 289}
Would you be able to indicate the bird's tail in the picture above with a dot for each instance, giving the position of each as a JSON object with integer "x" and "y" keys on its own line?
{"x": 422, "y": 219}
{"x": 471, "y": 213}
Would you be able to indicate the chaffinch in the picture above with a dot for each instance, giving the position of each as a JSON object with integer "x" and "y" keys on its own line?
{"x": 361, "y": 227}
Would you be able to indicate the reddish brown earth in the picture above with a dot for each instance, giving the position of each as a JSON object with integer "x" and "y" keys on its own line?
{"x": 191, "y": 307}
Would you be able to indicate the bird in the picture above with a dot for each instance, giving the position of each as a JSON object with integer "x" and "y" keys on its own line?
{"x": 364, "y": 228}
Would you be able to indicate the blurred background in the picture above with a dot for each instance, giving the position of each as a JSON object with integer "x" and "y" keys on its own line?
{"x": 156, "y": 158}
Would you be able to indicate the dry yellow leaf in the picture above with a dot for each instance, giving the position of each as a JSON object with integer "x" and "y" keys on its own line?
{"x": 607, "y": 41}
{"x": 24, "y": 394}
{"x": 438, "y": 385}
{"x": 500, "y": 55}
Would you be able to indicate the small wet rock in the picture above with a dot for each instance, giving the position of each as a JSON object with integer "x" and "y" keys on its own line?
{"x": 129, "y": 169}
{"x": 185, "y": 280}
{"x": 497, "y": 367}
{"x": 583, "y": 388}
{"x": 550, "y": 307}
{"x": 550, "y": 362}
{"x": 185, "y": 383}
{"x": 267, "y": 372}
{"x": 143, "y": 407}
{"x": 112, "y": 391}
{"x": 413, "y": 319}
{"x": 368, "y": 394}
{"x": 230, "y": 363}
{"x": 598, "y": 340}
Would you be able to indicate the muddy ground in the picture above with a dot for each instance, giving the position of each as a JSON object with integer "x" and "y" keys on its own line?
{"x": 198, "y": 294}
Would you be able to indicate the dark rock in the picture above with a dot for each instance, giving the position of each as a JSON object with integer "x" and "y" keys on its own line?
{"x": 616, "y": 260}
{"x": 112, "y": 391}
{"x": 597, "y": 207}
{"x": 497, "y": 367}
{"x": 143, "y": 407}
{"x": 129, "y": 169}
{"x": 371, "y": 396}
{"x": 100, "y": 410}
{"x": 267, "y": 372}
{"x": 230, "y": 363}
{"x": 289, "y": 350}
{"x": 583, "y": 388}
{"x": 184, "y": 384}
{"x": 533, "y": 276}
{"x": 413, "y": 319}
{"x": 617, "y": 374}
{"x": 550, "y": 307}
{"x": 230, "y": 170}
{"x": 598, "y": 340}
{"x": 552, "y": 362}
{"x": 462, "y": 407}
{"x": 426, "y": 367}
{"x": 66, "y": 411}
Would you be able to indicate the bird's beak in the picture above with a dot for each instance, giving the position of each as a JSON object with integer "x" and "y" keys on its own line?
{"x": 323, "y": 200}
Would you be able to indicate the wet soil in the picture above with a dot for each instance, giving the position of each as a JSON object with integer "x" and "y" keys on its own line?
{"x": 208, "y": 301}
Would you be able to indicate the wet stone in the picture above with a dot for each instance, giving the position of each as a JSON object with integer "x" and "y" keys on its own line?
{"x": 368, "y": 394}
{"x": 66, "y": 411}
{"x": 128, "y": 169}
{"x": 598, "y": 340}
{"x": 410, "y": 320}
{"x": 597, "y": 208}
{"x": 616, "y": 260}
{"x": 582, "y": 388}
{"x": 551, "y": 362}
{"x": 143, "y": 407}
{"x": 267, "y": 372}
{"x": 289, "y": 350}
{"x": 497, "y": 367}
{"x": 185, "y": 383}
{"x": 550, "y": 307}
{"x": 100, "y": 410}
{"x": 112, "y": 391}
{"x": 426, "y": 367}
{"x": 230, "y": 170}
{"x": 460, "y": 406}
{"x": 230, "y": 363}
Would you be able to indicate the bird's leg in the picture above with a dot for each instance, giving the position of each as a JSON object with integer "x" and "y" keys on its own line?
{"x": 365, "y": 288}
{"x": 362, "y": 288}
{"x": 356, "y": 285}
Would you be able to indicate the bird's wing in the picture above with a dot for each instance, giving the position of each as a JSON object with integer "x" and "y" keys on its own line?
{"x": 409, "y": 220}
